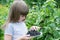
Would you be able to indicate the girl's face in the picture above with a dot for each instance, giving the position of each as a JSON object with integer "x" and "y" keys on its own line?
{"x": 22, "y": 18}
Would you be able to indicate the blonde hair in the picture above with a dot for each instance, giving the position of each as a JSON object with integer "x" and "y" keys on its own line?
{"x": 17, "y": 8}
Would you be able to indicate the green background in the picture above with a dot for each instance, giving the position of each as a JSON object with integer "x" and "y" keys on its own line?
{"x": 42, "y": 13}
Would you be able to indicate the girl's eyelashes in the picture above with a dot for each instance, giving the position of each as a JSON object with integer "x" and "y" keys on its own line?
{"x": 23, "y": 15}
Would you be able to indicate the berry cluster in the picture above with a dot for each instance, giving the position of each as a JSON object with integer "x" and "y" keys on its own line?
{"x": 33, "y": 33}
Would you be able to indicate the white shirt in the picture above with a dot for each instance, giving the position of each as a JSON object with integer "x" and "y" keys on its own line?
{"x": 16, "y": 30}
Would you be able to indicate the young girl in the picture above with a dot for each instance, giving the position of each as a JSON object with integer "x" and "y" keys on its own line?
{"x": 15, "y": 28}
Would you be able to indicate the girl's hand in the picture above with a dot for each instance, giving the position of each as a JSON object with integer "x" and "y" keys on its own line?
{"x": 26, "y": 37}
{"x": 34, "y": 28}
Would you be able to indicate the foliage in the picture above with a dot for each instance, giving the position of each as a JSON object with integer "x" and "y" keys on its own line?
{"x": 57, "y": 2}
{"x": 3, "y": 16}
{"x": 35, "y": 2}
{"x": 5, "y": 1}
{"x": 42, "y": 13}
{"x": 48, "y": 17}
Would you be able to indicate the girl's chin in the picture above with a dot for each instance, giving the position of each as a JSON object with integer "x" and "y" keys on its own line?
{"x": 22, "y": 21}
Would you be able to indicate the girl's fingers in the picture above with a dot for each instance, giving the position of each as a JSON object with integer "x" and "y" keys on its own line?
{"x": 34, "y": 28}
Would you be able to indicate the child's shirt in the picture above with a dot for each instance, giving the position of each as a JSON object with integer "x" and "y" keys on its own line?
{"x": 16, "y": 30}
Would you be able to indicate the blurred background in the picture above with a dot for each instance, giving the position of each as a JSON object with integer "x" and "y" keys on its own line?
{"x": 43, "y": 13}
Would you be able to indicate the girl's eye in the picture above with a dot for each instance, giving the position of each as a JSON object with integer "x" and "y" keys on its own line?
{"x": 23, "y": 16}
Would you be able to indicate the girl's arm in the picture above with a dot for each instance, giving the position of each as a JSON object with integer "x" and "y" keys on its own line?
{"x": 8, "y": 32}
{"x": 26, "y": 37}
{"x": 7, "y": 37}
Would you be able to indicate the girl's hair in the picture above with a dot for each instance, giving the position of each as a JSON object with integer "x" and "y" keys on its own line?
{"x": 17, "y": 8}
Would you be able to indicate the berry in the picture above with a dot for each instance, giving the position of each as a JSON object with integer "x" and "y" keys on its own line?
{"x": 33, "y": 33}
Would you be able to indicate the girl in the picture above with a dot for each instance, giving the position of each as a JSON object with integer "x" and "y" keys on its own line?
{"x": 15, "y": 28}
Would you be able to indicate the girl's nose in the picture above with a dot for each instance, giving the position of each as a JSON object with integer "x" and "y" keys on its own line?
{"x": 24, "y": 17}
